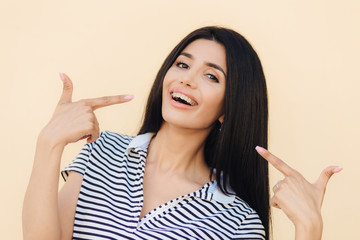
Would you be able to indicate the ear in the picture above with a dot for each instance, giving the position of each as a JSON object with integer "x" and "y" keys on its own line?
{"x": 221, "y": 118}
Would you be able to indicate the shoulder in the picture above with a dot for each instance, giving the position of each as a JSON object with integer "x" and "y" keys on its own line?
{"x": 243, "y": 206}
{"x": 116, "y": 144}
{"x": 109, "y": 146}
{"x": 233, "y": 203}
{"x": 244, "y": 220}
{"x": 111, "y": 143}
{"x": 234, "y": 215}
{"x": 113, "y": 138}
{"x": 231, "y": 200}
{"x": 251, "y": 225}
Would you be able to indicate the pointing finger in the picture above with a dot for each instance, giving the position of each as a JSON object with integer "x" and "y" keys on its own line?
{"x": 96, "y": 103}
{"x": 275, "y": 161}
{"x": 325, "y": 176}
{"x": 66, "y": 96}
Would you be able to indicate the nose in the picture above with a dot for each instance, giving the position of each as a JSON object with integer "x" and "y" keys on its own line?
{"x": 189, "y": 79}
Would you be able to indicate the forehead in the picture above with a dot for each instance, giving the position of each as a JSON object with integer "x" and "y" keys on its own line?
{"x": 207, "y": 51}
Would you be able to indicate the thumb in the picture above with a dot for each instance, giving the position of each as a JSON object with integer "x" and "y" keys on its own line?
{"x": 326, "y": 175}
{"x": 66, "y": 95}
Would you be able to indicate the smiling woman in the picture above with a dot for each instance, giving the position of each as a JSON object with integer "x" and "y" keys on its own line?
{"x": 191, "y": 173}
{"x": 193, "y": 84}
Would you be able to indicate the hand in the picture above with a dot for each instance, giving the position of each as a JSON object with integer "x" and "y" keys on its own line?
{"x": 300, "y": 200}
{"x": 73, "y": 121}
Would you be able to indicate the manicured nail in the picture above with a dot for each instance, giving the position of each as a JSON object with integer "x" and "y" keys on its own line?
{"x": 62, "y": 76}
{"x": 259, "y": 149}
{"x": 336, "y": 170}
{"x": 129, "y": 97}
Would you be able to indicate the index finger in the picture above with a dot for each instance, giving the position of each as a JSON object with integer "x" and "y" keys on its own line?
{"x": 100, "y": 102}
{"x": 275, "y": 161}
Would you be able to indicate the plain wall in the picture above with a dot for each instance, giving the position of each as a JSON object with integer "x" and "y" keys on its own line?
{"x": 309, "y": 50}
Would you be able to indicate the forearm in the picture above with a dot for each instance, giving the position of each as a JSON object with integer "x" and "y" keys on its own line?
{"x": 40, "y": 209}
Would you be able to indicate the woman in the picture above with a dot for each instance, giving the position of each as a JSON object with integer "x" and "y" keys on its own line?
{"x": 191, "y": 173}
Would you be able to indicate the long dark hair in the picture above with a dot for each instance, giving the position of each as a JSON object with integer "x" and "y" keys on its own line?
{"x": 230, "y": 149}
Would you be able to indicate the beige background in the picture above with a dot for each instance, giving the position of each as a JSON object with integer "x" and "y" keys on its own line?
{"x": 309, "y": 49}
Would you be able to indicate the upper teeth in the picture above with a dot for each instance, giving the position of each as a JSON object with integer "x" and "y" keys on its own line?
{"x": 183, "y": 97}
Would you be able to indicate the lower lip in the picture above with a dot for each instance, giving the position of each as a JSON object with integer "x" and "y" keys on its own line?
{"x": 180, "y": 105}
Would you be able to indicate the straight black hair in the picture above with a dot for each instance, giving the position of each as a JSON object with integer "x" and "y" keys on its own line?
{"x": 230, "y": 149}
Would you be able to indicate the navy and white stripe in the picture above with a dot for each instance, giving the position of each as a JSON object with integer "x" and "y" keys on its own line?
{"x": 111, "y": 197}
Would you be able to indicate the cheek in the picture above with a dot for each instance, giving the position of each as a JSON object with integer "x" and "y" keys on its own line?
{"x": 167, "y": 80}
{"x": 217, "y": 106}
{"x": 215, "y": 99}
{"x": 170, "y": 74}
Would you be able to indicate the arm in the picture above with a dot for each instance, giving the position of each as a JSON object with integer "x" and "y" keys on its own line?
{"x": 67, "y": 200}
{"x": 71, "y": 122}
{"x": 40, "y": 211}
{"x": 300, "y": 200}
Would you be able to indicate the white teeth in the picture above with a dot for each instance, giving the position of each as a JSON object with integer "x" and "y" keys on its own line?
{"x": 183, "y": 97}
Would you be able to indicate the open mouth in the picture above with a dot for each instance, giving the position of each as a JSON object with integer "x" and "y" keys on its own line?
{"x": 179, "y": 97}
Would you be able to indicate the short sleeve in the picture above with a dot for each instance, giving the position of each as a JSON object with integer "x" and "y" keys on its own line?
{"x": 251, "y": 228}
{"x": 79, "y": 164}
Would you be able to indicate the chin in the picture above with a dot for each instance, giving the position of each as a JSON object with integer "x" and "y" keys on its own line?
{"x": 174, "y": 120}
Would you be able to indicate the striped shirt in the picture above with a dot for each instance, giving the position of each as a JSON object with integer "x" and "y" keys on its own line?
{"x": 111, "y": 197}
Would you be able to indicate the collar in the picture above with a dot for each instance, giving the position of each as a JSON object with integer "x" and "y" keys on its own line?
{"x": 219, "y": 196}
{"x": 140, "y": 142}
{"x": 210, "y": 191}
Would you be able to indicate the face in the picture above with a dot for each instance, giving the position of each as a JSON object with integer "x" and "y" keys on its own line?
{"x": 194, "y": 86}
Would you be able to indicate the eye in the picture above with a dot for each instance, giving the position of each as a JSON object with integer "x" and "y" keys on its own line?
{"x": 212, "y": 77}
{"x": 182, "y": 65}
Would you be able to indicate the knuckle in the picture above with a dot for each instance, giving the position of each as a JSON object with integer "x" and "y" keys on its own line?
{"x": 286, "y": 180}
{"x": 67, "y": 86}
{"x": 287, "y": 183}
{"x": 276, "y": 164}
{"x": 328, "y": 174}
{"x": 106, "y": 99}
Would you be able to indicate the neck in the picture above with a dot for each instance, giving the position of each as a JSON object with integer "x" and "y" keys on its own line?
{"x": 179, "y": 151}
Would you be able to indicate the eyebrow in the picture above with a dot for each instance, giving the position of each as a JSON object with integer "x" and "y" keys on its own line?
{"x": 213, "y": 65}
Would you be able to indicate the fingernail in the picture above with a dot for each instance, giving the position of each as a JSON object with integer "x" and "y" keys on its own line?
{"x": 128, "y": 97}
{"x": 259, "y": 149}
{"x": 336, "y": 170}
{"x": 62, "y": 76}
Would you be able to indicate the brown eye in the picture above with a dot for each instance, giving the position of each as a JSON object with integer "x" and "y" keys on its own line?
{"x": 182, "y": 65}
{"x": 212, "y": 77}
